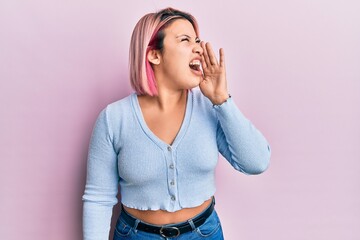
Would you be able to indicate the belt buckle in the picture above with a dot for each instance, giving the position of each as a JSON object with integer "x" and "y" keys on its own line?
{"x": 169, "y": 230}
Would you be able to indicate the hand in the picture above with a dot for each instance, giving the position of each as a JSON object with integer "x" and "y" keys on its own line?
{"x": 213, "y": 85}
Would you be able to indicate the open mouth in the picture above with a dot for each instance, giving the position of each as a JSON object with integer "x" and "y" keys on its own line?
{"x": 195, "y": 65}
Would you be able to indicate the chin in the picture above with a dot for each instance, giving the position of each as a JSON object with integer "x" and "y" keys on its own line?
{"x": 191, "y": 82}
{"x": 197, "y": 81}
{"x": 196, "y": 84}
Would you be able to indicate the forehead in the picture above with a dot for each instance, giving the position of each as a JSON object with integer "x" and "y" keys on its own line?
{"x": 179, "y": 27}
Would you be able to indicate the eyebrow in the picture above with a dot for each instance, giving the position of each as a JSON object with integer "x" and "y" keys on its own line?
{"x": 185, "y": 35}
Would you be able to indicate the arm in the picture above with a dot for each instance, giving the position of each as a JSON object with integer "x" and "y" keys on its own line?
{"x": 101, "y": 182}
{"x": 239, "y": 141}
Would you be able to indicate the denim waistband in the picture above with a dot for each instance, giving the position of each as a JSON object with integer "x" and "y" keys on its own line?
{"x": 169, "y": 230}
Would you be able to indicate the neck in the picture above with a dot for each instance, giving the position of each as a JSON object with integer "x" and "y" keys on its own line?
{"x": 166, "y": 100}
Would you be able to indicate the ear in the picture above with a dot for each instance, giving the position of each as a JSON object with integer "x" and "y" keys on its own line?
{"x": 154, "y": 57}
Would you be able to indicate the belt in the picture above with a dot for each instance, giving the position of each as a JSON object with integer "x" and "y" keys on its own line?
{"x": 171, "y": 230}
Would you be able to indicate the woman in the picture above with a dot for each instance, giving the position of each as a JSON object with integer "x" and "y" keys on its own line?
{"x": 161, "y": 143}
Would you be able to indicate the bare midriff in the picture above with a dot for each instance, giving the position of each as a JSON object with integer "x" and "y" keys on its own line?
{"x": 161, "y": 217}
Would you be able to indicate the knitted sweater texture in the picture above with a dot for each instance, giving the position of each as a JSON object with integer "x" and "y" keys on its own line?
{"x": 154, "y": 175}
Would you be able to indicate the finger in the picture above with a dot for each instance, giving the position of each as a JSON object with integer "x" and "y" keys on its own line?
{"x": 205, "y": 54}
{"x": 210, "y": 52}
{"x": 222, "y": 57}
{"x": 203, "y": 63}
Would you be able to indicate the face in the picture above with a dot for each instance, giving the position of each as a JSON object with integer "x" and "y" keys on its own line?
{"x": 179, "y": 66}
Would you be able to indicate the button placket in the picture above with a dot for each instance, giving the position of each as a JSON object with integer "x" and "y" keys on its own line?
{"x": 171, "y": 175}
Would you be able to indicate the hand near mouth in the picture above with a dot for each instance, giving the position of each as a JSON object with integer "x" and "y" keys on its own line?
{"x": 213, "y": 85}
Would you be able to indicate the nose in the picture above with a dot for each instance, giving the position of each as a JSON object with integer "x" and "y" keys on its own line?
{"x": 198, "y": 49}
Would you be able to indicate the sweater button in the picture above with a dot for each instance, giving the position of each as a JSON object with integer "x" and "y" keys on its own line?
{"x": 169, "y": 148}
{"x": 172, "y": 183}
{"x": 171, "y": 166}
{"x": 173, "y": 198}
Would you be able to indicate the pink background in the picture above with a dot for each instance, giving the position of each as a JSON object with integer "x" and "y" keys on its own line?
{"x": 292, "y": 67}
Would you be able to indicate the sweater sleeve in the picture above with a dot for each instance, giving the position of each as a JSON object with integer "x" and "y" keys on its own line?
{"x": 101, "y": 182}
{"x": 242, "y": 145}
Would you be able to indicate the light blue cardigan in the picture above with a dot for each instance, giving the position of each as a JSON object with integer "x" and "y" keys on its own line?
{"x": 154, "y": 175}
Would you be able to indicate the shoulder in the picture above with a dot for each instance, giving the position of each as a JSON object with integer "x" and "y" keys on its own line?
{"x": 120, "y": 104}
{"x": 119, "y": 109}
{"x": 202, "y": 106}
{"x": 200, "y": 99}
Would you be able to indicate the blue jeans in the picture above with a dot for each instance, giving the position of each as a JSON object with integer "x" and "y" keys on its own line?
{"x": 210, "y": 230}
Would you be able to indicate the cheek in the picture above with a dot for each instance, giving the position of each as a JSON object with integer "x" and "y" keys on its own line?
{"x": 175, "y": 65}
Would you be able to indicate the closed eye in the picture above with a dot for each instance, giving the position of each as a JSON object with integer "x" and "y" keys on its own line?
{"x": 185, "y": 39}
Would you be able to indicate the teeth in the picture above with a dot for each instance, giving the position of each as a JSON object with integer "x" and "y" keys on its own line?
{"x": 195, "y": 63}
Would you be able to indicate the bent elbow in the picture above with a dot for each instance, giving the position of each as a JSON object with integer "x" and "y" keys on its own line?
{"x": 261, "y": 167}
{"x": 263, "y": 162}
{"x": 260, "y": 163}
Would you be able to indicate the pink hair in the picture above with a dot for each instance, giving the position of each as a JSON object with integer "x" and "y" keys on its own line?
{"x": 145, "y": 37}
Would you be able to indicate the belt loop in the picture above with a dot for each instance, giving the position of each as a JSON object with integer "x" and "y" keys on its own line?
{"x": 136, "y": 224}
{"x": 190, "y": 221}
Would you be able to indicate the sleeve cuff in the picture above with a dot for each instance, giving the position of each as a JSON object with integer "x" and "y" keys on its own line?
{"x": 217, "y": 106}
